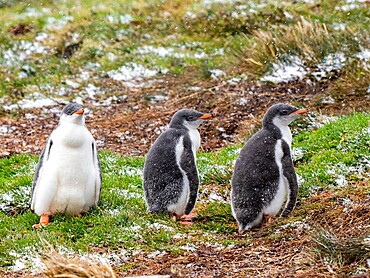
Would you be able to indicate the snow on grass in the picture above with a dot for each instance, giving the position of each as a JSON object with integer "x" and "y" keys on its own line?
{"x": 340, "y": 172}
{"x": 53, "y": 23}
{"x": 20, "y": 52}
{"x": 132, "y": 73}
{"x": 217, "y": 73}
{"x": 33, "y": 100}
{"x": 364, "y": 56}
{"x": 6, "y": 129}
{"x": 331, "y": 64}
{"x": 292, "y": 69}
{"x": 352, "y": 5}
{"x": 131, "y": 171}
{"x": 15, "y": 199}
{"x": 126, "y": 193}
{"x": 213, "y": 197}
{"x": 122, "y": 19}
{"x": 27, "y": 259}
{"x": 172, "y": 52}
{"x": 297, "y": 153}
{"x": 318, "y": 121}
{"x": 159, "y": 226}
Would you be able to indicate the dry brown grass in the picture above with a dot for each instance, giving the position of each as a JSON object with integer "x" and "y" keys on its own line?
{"x": 57, "y": 265}
{"x": 310, "y": 41}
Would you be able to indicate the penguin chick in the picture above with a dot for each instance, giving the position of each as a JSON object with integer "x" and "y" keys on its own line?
{"x": 264, "y": 175}
{"x": 68, "y": 176}
{"x": 170, "y": 173}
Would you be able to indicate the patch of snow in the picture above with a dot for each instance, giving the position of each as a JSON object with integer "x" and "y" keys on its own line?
{"x": 328, "y": 100}
{"x": 351, "y": 6}
{"x": 189, "y": 247}
{"x": 158, "y": 226}
{"x": 242, "y": 101}
{"x": 72, "y": 84}
{"x": 331, "y": 64}
{"x": 131, "y": 171}
{"x": 171, "y": 52}
{"x": 131, "y": 72}
{"x": 156, "y": 254}
{"x": 157, "y": 98}
{"x": 92, "y": 66}
{"x": 213, "y": 197}
{"x": 364, "y": 56}
{"x": 27, "y": 258}
{"x": 41, "y": 37}
{"x": 339, "y": 26}
{"x": 217, "y": 73}
{"x": 5, "y": 129}
{"x": 234, "y": 81}
{"x": 318, "y": 121}
{"x": 125, "y": 193}
{"x": 53, "y": 23}
{"x": 286, "y": 71}
{"x": 297, "y": 153}
{"x": 123, "y": 18}
{"x": 21, "y": 51}
{"x": 33, "y": 100}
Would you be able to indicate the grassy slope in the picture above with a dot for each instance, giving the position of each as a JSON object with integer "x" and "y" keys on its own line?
{"x": 239, "y": 38}
{"x": 122, "y": 226}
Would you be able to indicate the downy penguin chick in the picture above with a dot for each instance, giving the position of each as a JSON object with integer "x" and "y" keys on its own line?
{"x": 170, "y": 173}
{"x": 68, "y": 176}
{"x": 264, "y": 176}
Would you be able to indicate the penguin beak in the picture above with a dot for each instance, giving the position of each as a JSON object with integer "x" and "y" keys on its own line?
{"x": 300, "y": 111}
{"x": 79, "y": 112}
{"x": 205, "y": 116}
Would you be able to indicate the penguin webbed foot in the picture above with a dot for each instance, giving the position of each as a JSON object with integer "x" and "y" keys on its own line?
{"x": 44, "y": 221}
{"x": 186, "y": 219}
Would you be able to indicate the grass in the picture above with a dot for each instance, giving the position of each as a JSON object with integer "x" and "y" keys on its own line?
{"x": 121, "y": 224}
{"x": 196, "y": 36}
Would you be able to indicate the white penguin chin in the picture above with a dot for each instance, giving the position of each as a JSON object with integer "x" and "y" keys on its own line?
{"x": 74, "y": 119}
{"x": 193, "y": 125}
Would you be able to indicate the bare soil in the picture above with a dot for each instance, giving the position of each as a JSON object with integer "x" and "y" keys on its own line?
{"x": 130, "y": 127}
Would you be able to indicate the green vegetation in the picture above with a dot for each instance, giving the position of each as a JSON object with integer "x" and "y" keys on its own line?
{"x": 176, "y": 37}
{"x": 337, "y": 151}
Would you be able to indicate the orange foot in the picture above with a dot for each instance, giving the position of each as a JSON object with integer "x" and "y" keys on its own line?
{"x": 44, "y": 220}
{"x": 187, "y": 220}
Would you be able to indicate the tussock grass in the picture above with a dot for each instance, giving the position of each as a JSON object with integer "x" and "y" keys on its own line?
{"x": 57, "y": 265}
{"x": 340, "y": 251}
{"x": 310, "y": 41}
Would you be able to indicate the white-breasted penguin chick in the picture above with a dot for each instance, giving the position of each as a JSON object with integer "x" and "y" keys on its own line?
{"x": 264, "y": 176}
{"x": 68, "y": 176}
{"x": 170, "y": 173}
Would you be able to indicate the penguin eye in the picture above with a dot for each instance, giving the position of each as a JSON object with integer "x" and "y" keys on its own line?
{"x": 284, "y": 112}
{"x": 190, "y": 118}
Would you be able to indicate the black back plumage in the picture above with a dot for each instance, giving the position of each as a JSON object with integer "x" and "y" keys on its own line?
{"x": 163, "y": 178}
{"x": 256, "y": 174}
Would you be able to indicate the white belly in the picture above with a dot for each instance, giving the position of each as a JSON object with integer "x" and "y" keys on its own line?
{"x": 283, "y": 187}
{"x": 66, "y": 182}
{"x": 195, "y": 140}
{"x": 179, "y": 207}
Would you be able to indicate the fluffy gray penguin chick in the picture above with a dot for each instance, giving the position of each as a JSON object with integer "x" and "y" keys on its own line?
{"x": 68, "y": 176}
{"x": 264, "y": 176}
{"x": 170, "y": 173}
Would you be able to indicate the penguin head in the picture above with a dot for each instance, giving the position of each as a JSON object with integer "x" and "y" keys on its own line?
{"x": 73, "y": 113}
{"x": 188, "y": 118}
{"x": 282, "y": 114}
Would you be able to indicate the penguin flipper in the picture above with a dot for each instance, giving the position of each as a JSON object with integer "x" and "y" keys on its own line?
{"x": 289, "y": 173}
{"x": 42, "y": 160}
{"x": 98, "y": 179}
{"x": 188, "y": 164}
